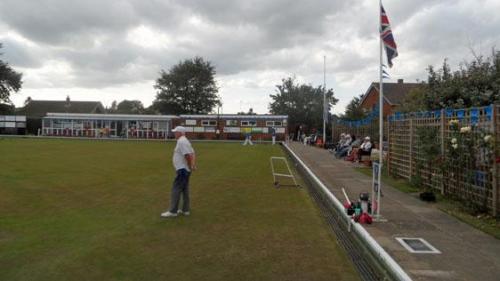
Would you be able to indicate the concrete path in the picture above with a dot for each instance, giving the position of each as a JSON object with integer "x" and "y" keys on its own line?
{"x": 466, "y": 253}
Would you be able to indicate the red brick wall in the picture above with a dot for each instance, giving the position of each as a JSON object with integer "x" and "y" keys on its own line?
{"x": 372, "y": 99}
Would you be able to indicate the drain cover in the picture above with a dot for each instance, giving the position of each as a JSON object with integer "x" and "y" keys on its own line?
{"x": 417, "y": 245}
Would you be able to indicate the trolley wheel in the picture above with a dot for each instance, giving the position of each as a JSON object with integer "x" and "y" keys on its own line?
{"x": 277, "y": 184}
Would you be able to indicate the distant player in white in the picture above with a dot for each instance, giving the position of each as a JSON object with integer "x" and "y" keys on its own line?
{"x": 248, "y": 139}
{"x": 273, "y": 134}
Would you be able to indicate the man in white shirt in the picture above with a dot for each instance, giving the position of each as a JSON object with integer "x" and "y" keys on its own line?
{"x": 365, "y": 148}
{"x": 184, "y": 164}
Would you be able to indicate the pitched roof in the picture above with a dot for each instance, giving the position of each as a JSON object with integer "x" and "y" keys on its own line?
{"x": 39, "y": 108}
{"x": 93, "y": 116}
{"x": 394, "y": 93}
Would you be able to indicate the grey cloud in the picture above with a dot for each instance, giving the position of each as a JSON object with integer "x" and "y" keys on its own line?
{"x": 237, "y": 36}
{"x": 20, "y": 55}
{"x": 450, "y": 31}
{"x": 55, "y": 22}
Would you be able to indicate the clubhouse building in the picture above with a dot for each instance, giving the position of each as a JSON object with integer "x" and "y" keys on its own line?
{"x": 129, "y": 126}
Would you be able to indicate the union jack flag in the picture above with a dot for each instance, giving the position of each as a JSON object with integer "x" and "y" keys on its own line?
{"x": 386, "y": 36}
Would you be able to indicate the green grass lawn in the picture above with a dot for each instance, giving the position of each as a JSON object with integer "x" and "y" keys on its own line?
{"x": 84, "y": 210}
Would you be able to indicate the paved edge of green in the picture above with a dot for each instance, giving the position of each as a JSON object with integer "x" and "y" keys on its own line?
{"x": 484, "y": 223}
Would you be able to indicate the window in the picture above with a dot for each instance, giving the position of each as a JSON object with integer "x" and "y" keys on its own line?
{"x": 131, "y": 125}
{"x": 232, "y": 123}
{"x": 144, "y": 125}
{"x": 10, "y": 124}
{"x": 162, "y": 125}
{"x": 191, "y": 122}
{"x": 232, "y": 130}
{"x": 77, "y": 124}
{"x": 273, "y": 123}
{"x": 57, "y": 123}
{"x": 252, "y": 123}
{"x": 209, "y": 123}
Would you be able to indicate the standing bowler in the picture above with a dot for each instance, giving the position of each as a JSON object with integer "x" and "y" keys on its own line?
{"x": 184, "y": 164}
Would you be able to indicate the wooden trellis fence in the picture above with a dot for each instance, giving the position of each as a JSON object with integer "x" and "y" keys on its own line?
{"x": 465, "y": 167}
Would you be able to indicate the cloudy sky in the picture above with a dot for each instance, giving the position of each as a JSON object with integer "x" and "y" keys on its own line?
{"x": 113, "y": 50}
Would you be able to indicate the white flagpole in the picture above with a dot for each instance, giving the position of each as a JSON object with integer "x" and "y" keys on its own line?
{"x": 324, "y": 100}
{"x": 381, "y": 114}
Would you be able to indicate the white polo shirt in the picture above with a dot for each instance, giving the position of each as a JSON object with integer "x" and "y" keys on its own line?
{"x": 182, "y": 148}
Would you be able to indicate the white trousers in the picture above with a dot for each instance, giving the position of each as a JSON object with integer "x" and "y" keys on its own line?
{"x": 248, "y": 141}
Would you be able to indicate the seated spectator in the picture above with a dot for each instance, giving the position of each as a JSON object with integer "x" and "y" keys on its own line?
{"x": 306, "y": 139}
{"x": 314, "y": 139}
{"x": 335, "y": 146}
{"x": 340, "y": 143}
{"x": 344, "y": 149}
{"x": 354, "y": 144}
{"x": 352, "y": 153}
{"x": 365, "y": 148}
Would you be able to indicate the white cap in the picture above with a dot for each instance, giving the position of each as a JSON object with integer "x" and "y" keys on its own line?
{"x": 367, "y": 138}
{"x": 179, "y": 129}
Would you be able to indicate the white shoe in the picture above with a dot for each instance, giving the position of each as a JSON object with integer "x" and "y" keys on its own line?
{"x": 168, "y": 214}
{"x": 180, "y": 212}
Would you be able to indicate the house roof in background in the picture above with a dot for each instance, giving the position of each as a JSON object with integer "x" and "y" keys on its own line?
{"x": 394, "y": 93}
{"x": 39, "y": 108}
{"x": 121, "y": 117}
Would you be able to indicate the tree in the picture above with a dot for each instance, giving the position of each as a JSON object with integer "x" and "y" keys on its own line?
{"x": 414, "y": 101}
{"x": 130, "y": 107}
{"x": 151, "y": 110}
{"x": 10, "y": 81}
{"x": 113, "y": 108}
{"x": 250, "y": 112}
{"x": 302, "y": 103}
{"x": 475, "y": 83}
{"x": 354, "y": 111}
{"x": 188, "y": 88}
